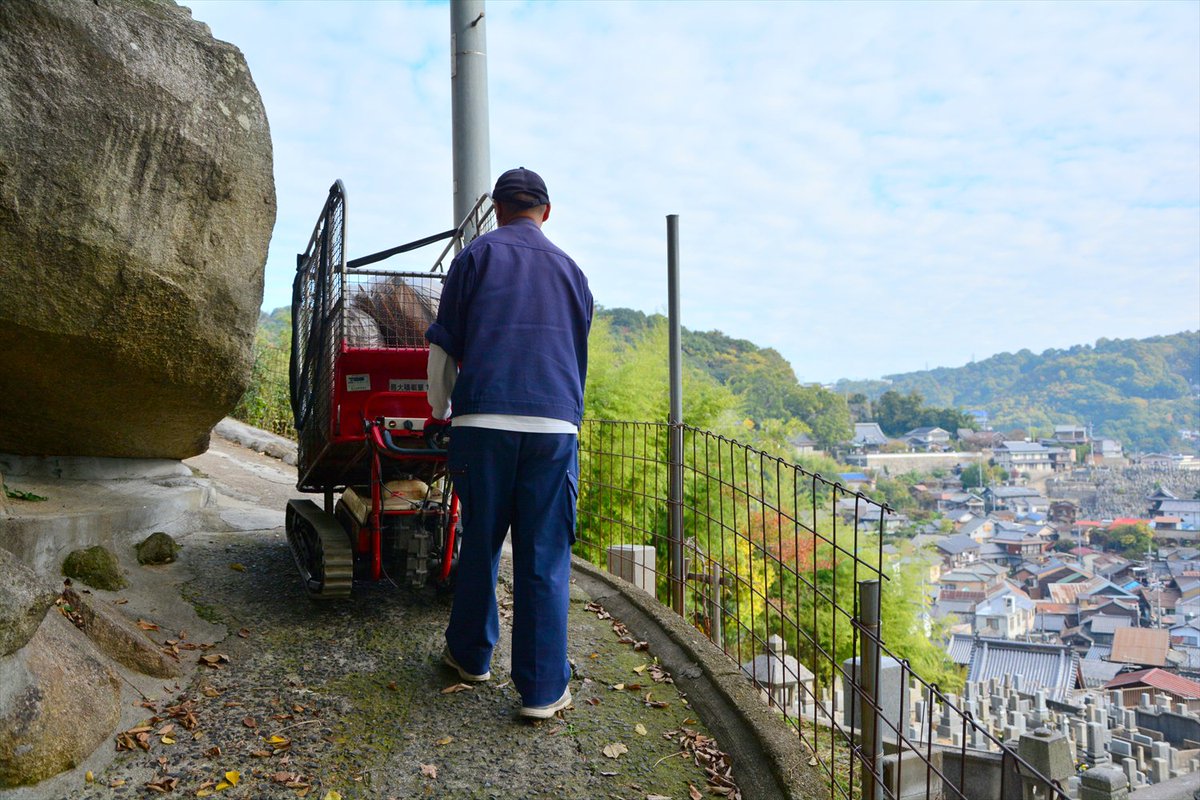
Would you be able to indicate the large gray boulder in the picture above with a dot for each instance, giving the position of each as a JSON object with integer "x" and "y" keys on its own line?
{"x": 136, "y": 205}
{"x": 58, "y": 702}
{"x": 24, "y": 599}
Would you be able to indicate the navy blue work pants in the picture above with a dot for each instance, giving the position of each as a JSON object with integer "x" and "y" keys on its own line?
{"x": 529, "y": 482}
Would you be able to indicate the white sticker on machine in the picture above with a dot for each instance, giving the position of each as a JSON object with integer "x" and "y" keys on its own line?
{"x": 358, "y": 383}
{"x": 398, "y": 385}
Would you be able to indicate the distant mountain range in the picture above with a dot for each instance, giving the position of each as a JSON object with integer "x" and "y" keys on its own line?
{"x": 1142, "y": 392}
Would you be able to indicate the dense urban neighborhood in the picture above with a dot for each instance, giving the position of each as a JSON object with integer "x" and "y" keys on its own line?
{"x": 1063, "y": 576}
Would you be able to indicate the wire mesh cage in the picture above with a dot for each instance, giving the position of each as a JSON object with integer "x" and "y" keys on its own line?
{"x": 338, "y": 306}
{"x": 315, "y": 294}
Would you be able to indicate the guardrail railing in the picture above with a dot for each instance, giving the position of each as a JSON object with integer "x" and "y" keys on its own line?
{"x": 785, "y": 572}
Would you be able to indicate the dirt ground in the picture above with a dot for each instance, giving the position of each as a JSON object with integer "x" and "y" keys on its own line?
{"x": 349, "y": 699}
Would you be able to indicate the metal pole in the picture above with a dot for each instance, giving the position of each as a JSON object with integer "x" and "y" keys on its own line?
{"x": 675, "y": 455}
{"x": 715, "y": 608}
{"x": 872, "y": 743}
{"x": 469, "y": 106}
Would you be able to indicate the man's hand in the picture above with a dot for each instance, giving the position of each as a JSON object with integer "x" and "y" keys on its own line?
{"x": 437, "y": 432}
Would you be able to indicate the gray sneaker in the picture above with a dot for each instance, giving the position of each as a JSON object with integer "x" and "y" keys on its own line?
{"x": 546, "y": 712}
{"x": 449, "y": 661}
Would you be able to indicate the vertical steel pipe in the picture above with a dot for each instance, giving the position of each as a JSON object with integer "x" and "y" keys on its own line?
{"x": 872, "y": 743}
{"x": 675, "y": 421}
{"x": 469, "y": 106}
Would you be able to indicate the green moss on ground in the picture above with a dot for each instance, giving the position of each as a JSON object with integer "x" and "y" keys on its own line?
{"x": 96, "y": 566}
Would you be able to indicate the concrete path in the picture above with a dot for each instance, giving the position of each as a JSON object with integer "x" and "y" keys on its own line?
{"x": 300, "y": 699}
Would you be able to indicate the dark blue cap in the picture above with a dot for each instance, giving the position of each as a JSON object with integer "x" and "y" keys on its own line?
{"x": 521, "y": 187}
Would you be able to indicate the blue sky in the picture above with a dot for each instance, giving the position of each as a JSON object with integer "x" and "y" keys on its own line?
{"x": 868, "y": 188}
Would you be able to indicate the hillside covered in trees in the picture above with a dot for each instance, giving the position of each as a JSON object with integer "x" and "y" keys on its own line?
{"x": 765, "y": 395}
{"x": 1141, "y": 392}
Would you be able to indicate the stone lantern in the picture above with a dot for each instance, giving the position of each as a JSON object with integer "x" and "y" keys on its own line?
{"x": 778, "y": 675}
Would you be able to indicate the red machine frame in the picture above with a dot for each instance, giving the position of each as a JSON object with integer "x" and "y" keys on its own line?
{"x": 358, "y": 384}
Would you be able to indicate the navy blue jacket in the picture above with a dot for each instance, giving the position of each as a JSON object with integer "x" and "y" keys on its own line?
{"x": 515, "y": 313}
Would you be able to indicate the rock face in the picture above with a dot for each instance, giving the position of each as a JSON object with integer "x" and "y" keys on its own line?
{"x": 120, "y": 638}
{"x": 57, "y": 704}
{"x": 136, "y": 205}
{"x": 24, "y": 600}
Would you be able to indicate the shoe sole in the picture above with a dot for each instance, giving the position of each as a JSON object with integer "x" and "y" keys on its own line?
{"x": 449, "y": 661}
{"x": 546, "y": 712}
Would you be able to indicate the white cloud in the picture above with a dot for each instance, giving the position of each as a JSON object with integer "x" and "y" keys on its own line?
{"x": 868, "y": 188}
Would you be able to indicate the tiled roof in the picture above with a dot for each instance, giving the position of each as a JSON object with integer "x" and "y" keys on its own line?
{"x": 1023, "y": 447}
{"x": 1014, "y": 491}
{"x": 1141, "y": 646}
{"x": 952, "y": 594}
{"x": 960, "y": 648}
{"x": 957, "y": 543}
{"x": 1180, "y": 506}
{"x": 1102, "y": 623}
{"x": 1042, "y": 666}
{"x": 1160, "y": 679}
{"x": 1096, "y": 673}
{"x": 1050, "y": 607}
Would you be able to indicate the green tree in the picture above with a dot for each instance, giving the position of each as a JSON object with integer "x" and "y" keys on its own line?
{"x": 975, "y": 476}
{"x": 1131, "y": 541}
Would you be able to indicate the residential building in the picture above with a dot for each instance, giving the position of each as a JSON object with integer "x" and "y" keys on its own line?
{"x": 1132, "y": 685}
{"x": 1144, "y": 646}
{"x": 1187, "y": 511}
{"x": 804, "y": 444}
{"x": 928, "y": 439}
{"x": 1070, "y": 434}
{"x": 958, "y": 550}
{"x": 1031, "y": 457}
{"x": 1006, "y": 612}
{"x": 1018, "y": 499}
{"x": 868, "y": 436}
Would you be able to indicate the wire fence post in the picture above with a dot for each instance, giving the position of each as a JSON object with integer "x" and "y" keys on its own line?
{"x": 675, "y": 455}
{"x": 868, "y": 690}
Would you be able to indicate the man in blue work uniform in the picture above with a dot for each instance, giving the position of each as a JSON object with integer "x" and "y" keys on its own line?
{"x": 508, "y": 356}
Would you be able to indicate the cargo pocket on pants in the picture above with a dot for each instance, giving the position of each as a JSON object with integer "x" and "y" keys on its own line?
{"x": 572, "y": 503}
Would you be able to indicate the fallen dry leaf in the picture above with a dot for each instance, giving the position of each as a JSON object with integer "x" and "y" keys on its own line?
{"x": 650, "y": 702}
{"x": 657, "y": 797}
{"x": 641, "y": 669}
{"x": 615, "y": 750}
{"x": 593, "y": 701}
{"x": 640, "y": 729}
{"x": 233, "y": 776}
{"x": 694, "y": 793}
{"x": 332, "y": 795}
{"x": 244, "y": 633}
{"x": 120, "y": 602}
{"x": 458, "y": 687}
{"x": 444, "y": 740}
{"x": 146, "y": 626}
{"x": 429, "y": 771}
{"x": 250, "y": 722}
{"x": 163, "y": 785}
{"x": 209, "y": 691}
{"x": 236, "y": 567}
